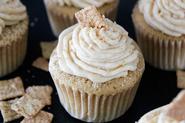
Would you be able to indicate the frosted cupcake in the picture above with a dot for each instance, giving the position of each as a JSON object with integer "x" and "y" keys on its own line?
{"x": 96, "y": 68}
{"x": 172, "y": 113}
{"x": 13, "y": 35}
{"x": 160, "y": 30}
{"x": 61, "y": 12}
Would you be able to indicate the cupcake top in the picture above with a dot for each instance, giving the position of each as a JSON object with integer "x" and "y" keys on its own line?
{"x": 96, "y": 48}
{"x": 83, "y": 3}
{"x": 167, "y": 16}
{"x": 172, "y": 113}
{"x": 11, "y": 12}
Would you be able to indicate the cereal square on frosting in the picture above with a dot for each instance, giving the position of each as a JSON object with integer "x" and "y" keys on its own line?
{"x": 90, "y": 17}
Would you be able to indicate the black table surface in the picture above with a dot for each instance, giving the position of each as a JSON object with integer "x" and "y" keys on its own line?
{"x": 157, "y": 87}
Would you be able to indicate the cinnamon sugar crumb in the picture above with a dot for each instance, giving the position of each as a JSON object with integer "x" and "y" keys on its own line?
{"x": 90, "y": 17}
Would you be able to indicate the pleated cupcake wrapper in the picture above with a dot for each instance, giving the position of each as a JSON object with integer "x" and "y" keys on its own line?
{"x": 59, "y": 22}
{"x": 12, "y": 55}
{"x": 162, "y": 53}
{"x": 95, "y": 108}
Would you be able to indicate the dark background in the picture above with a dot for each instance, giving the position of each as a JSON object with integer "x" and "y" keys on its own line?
{"x": 157, "y": 87}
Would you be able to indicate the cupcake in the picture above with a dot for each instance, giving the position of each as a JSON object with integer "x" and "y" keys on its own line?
{"x": 61, "y": 12}
{"x": 96, "y": 68}
{"x": 160, "y": 31}
{"x": 171, "y": 113}
{"x": 13, "y": 35}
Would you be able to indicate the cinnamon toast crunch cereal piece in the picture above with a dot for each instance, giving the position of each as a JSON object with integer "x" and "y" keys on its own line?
{"x": 181, "y": 79}
{"x": 47, "y": 48}
{"x": 11, "y": 88}
{"x": 41, "y": 117}
{"x": 90, "y": 17}
{"x": 41, "y": 63}
{"x": 6, "y": 111}
{"x": 27, "y": 106}
{"x": 42, "y": 93}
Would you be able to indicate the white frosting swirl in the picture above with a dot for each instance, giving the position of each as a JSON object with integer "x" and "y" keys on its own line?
{"x": 83, "y": 3}
{"x": 165, "y": 119}
{"x": 168, "y": 16}
{"x": 97, "y": 54}
{"x": 11, "y": 12}
{"x": 157, "y": 116}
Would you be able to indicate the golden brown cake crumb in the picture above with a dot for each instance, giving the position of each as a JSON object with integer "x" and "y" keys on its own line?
{"x": 90, "y": 17}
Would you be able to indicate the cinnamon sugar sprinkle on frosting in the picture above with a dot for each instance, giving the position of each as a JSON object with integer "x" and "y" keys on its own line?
{"x": 90, "y": 17}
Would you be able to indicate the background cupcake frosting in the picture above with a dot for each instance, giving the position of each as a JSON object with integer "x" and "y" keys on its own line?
{"x": 83, "y": 3}
{"x": 11, "y": 12}
{"x": 168, "y": 16}
{"x": 97, "y": 54}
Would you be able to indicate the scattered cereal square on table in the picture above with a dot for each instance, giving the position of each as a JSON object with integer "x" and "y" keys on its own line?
{"x": 42, "y": 93}
{"x": 41, "y": 63}
{"x": 41, "y": 117}
{"x": 181, "y": 79}
{"x": 11, "y": 88}
{"x": 47, "y": 48}
{"x": 6, "y": 111}
{"x": 27, "y": 106}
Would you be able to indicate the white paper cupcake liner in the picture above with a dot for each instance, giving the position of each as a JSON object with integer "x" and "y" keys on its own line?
{"x": 94, "y": 108}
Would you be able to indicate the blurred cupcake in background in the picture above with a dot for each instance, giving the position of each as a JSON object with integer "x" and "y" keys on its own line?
{"x": 61, "y": 12}
{"x": 96, "y": 68}
{"x": 13, "y": 35}
{"x": 160, "y": 31}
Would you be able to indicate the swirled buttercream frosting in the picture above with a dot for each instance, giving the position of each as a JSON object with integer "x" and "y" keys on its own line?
{"x": 99, "y": 53}
{"x": 83, "y": 3}
{"x": 11, "y": 12}
{"x": 167, "y": 16}
{"x": 171, "y": 113}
